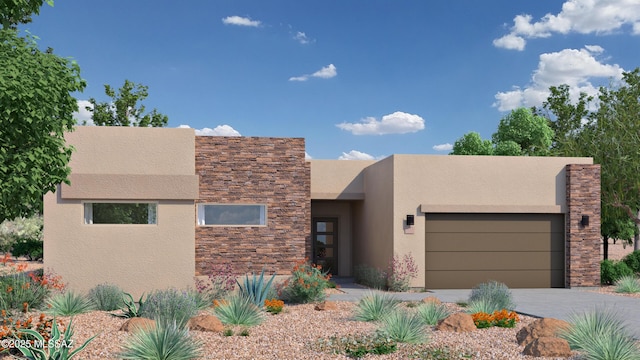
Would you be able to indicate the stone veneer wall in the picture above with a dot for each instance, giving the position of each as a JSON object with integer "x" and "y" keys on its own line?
{"x": 271, "y": 171}
{"x": 582, "y": 242}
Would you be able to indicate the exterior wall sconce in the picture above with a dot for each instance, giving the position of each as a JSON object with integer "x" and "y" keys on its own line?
{"x": 408, "y": 225}
{"x": 410, "y": 220}
{"x": 585, "y": 220}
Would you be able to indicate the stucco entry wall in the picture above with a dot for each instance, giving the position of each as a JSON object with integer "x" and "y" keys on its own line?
{"x": 246, "y": 170}
{"x": 113, "y": 164}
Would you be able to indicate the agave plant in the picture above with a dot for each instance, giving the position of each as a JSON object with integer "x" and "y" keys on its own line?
{"x": 56, "y": 348}
{"x": 130, "y": 309}
{"x": 255, "y": 289}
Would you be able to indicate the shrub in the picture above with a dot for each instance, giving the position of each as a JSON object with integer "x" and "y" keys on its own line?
{"x": 611, "y": 271}
{"x": 22, "y": 291}
{"x": 482, "y": 305}
{"x": 431, "y": 312}
{"x": 69, "y": 303}
{"x": 11, "y": 328}
{"x": 220, "y": 282}
{"x": 495, "y": 293}
{"x": 375, "y": 305}
{"x": 169, "y": 305}
{"x": 628, "y": 284}
{"x": 371, "y": 277}
{"x": 165, "y": 341}
{"x": 32, "y": 249}
{"x": 238, "y": 310}
{"x": 12, "y": 231}
{"x": 441, "y": 353}
{"x": 306, "y": 284}
{"x": 600, "y": 335}
{"x": 255, "y": 289}
{"x": 358, "y": 345}
{"x": 106, "y": 297}
{"x": 404, "y": 327}
{"x": 202, "y": 300}
{"x": 401, "y": 271}
{"x": 633, "y": 261}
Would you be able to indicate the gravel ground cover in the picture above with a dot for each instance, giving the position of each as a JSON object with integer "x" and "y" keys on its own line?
{"x": 293, "y": 334}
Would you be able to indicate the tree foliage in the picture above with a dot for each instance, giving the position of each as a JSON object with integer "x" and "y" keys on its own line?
{"x": 14, "y": 12}
{"x": 123, "y": 109}
{"x": 36, "y": 109}
{"x": 520, "y": 132}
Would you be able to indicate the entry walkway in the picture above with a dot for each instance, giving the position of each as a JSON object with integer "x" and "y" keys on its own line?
{"x": 555, "y": 303}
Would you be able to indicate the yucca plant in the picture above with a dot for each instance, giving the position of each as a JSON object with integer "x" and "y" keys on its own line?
{"x": 431, "y": 312}
{"x": 601, "y": 335}
{"x": 405, "y": 327}
{"x": 628, "y": 284}
{"x": 495, "y": 292}
{"x": 238, "y": 310}
{"x": 484, "y": 305}
{"x": 70, "y": 303}
{"x": 106, "y": 297}
{"x": 165, "y": 341}
{"x": 255, "y": 289}
{"x": 61, "y": 344}
{"x": 374, "y": 305}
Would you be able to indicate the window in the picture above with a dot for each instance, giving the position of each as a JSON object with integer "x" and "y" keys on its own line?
{"x": 232, "y": 215}
{"x": 120, "y": 213}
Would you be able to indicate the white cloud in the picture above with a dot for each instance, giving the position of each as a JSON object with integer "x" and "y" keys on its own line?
{"x": 576, "y": 16}
{"x": 396, "y": 123}
{"x": 576, "y": 68}
{"x": 220, "y": 130}
{"x": 355, "y": 155}
{"x": 326, "y": 72}
{"x": 240, "y": 21}
{"x": 307, "y": 156}
{"x": 83, "y": 114}
{"x": 443, "y": 147}
{"x": 301, "y": 37}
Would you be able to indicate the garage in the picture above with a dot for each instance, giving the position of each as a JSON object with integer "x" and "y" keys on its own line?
{"x": 520, "y": 250}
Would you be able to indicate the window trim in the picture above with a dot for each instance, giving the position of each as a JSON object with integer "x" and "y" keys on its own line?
{"x": 87, "y": 212}
{"x": 200, "y": 220}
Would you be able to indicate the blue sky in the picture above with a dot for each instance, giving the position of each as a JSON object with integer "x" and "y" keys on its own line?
{"x": 356, "y": 79}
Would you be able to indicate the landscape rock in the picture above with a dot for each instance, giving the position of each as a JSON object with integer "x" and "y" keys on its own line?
{"x": 546, "y": 327}
{"x": 458, "y": 322}
{"x": 548, "y": 347}
{"x": 137, "y": 323}
{"x": 326, "y": 305}
{"x": 432, "y": 299}
{"x": 206, "y": 323}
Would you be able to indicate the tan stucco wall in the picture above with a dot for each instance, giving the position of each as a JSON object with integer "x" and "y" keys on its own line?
{"x": 338, "y": 179}
{"x": 342, "y": 211}
{"x": 138, "y": 258}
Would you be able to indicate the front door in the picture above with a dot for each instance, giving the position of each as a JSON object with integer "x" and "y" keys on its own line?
{"x": 325, "y": 244}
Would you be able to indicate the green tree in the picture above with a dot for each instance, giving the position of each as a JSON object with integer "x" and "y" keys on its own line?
{"x": 519, "y": 133}
{"x": 610, "y": 134}
{"x": 472, "y": 144}
{"x": 36, "y": 109}
{"x": 123, "y": 109}
{"x": 14, "y": 12}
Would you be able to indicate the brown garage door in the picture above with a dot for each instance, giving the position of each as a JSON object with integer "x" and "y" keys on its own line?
{"x": 520, "y": 250}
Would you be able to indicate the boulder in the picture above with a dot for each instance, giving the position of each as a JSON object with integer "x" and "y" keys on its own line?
{"x": 458, "y": 322}
{"x": 548, "y": 347}
{"x": 546, "y": 327}
{"x": 137, "y": 323}
{"x": 205, "y": 322}
{"x": 432, "y": 299}
{"x": 326, "y": 305}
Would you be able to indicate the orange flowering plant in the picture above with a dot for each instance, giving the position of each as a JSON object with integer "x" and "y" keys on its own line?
{"x": 499, "y": 318}
{"x": 273, "y": 306}
{"x": 306, "y": 283}
{"x": 11, "y": 329}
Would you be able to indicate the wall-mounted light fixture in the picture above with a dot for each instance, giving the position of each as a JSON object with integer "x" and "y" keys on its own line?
{"x": 585, "y": 220}
{"x": 410, "y": 220}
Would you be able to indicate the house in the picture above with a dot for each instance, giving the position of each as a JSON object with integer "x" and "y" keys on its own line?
{"x": 192, "y": 202}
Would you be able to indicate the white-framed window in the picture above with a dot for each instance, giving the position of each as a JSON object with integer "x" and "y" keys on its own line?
{"x": 120, "y": 213}
{"x": 232, "y": 214}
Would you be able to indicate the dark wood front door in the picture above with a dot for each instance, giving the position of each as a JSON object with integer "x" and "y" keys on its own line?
{"x": 325, "y": 244}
